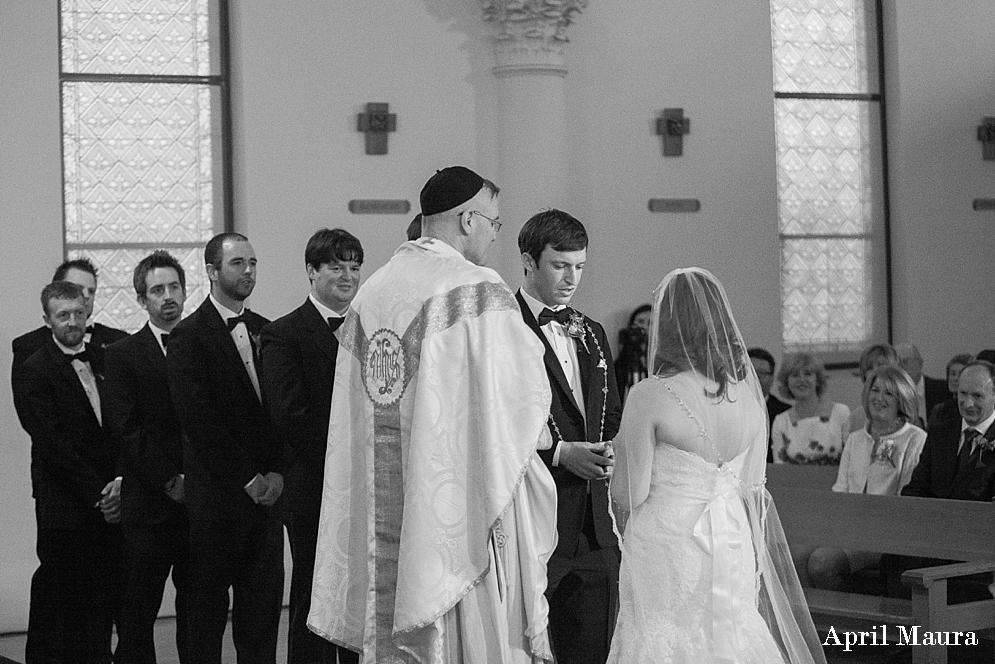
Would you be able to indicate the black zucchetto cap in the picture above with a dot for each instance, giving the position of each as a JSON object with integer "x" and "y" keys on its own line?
{"x": 449, "y": 188}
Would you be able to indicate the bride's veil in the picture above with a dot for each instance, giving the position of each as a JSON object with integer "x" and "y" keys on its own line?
{"x": 693, "y": 333}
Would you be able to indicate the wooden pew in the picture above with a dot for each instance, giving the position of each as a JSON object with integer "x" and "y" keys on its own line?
{"x": 931, "y": 528}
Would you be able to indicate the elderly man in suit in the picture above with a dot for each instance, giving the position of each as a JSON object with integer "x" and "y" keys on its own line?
{"x": 83, "y": 272}
{"x": 143, "y": 422}
{"x": 584, "y": 417}
{"x": 75, "y": 590}
{"x": 232, "y": 464}
{"x": 298, "y": 355}
{"x": 958, "y": 460}
{"x": 929, "y": 391}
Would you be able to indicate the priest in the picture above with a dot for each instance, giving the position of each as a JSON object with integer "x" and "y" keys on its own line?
{"x": 437, "y": 517}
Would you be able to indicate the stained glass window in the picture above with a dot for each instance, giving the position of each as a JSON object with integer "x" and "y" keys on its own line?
{"x": 143, "y": 103}
{"x": 830, "y": 177}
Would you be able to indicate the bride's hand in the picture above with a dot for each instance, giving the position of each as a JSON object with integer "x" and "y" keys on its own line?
{"x": 588, "y": 461}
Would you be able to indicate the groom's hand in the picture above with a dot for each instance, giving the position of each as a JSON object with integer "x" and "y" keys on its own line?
{"x": 586, "y": 460}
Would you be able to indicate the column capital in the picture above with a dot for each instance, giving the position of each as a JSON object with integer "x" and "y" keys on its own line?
{"x": 531, "y": 34}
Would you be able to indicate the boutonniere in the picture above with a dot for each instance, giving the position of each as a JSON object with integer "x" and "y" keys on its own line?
{"x": 885, "y": 453}
{"x": 255, "y": 338}
{"x": 577, "y": 329}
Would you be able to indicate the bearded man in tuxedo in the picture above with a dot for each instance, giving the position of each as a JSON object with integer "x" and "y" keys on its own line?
{"x": 232, "y": 464}
{"x": 584, "y": 417}
{"x": 144, "y": 425}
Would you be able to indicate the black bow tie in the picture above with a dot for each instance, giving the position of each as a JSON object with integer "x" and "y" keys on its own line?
{"x": 235, "y": 320}
{"x": 562, "y": 316}
{"x": 335, "y": 322}
{"x": 82, "y": 356}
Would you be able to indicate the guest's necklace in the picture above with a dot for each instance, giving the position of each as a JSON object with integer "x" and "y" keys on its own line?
{"x": 574, "y": 330}
{"x": 891, "y": 428}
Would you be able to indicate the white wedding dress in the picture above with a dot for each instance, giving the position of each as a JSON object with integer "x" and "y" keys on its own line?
{"x": 688, "y": 581}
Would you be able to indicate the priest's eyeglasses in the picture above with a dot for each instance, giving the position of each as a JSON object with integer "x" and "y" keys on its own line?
{"x": 495, "y": 224}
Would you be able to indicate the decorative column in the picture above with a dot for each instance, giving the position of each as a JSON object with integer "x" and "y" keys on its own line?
{"x": 530, "y": 70}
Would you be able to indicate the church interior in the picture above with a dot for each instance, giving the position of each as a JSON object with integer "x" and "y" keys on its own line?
{"x": 565, "y": 121}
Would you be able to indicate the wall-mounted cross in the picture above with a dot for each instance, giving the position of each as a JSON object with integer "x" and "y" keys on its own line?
{"x": 672, "y": 125}
{"x": 986, "y": 134}
{"x": 376, "y": 122}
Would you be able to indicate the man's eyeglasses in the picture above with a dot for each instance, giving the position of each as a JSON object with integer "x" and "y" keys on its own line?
{"x": 495, "y": 224}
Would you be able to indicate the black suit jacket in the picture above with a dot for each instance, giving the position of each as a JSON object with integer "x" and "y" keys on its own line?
{"x": 28, "y": 344}
{"x": 571, "y": 490}
{"x": 936, "y": 475}
{"x": 937, "y": 391}
{"x": 140, "y": 416}
{"x": 774, "y": 408}
{"x": 298, "y": 357}
{"x": 72, "y": 458}
{"x": 228, "y": 432}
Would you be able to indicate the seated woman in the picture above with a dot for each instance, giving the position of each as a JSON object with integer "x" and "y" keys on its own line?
{"x": 948, "y": 410}
{"x": 878, "y": 459}
{"x": 813, "y": 429}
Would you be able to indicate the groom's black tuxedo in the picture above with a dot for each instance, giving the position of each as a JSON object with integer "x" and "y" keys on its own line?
{"x": 583, "y": 570}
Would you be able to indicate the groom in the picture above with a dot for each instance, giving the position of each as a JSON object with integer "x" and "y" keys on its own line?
{"x": 584, "y": 417}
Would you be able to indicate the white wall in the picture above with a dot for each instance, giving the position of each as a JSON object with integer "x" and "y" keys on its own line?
{"x": 303, "y": 69}
{"x": 941, "y": 83}
{"x": 30, "y": 248}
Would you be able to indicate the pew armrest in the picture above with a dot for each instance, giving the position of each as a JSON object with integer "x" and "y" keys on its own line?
{"x": 924, "y": 577}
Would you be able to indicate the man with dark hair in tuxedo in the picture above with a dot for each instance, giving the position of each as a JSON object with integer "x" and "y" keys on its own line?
{"x": 143, "y": 422}
{"x": 584, "y": 417}
{"x": 75, "y": 590}
{"x": 232, "y": 464}
{"x": 83, "y": 272}
{"x": 298, "y": 354}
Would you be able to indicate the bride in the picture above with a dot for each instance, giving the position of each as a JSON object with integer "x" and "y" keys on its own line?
{"x": 706, "y": 575}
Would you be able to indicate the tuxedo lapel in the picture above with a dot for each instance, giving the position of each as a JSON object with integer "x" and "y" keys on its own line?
{"x": 321, "y": 335}
{"x": 216, "y": 329}
{"x": 153, "y": 350}
{"x": 553, "y": 367}
{"x": 593, "y": 389}
{"x": 68, "y": 373}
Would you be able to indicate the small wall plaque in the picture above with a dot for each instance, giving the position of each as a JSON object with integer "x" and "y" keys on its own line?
{"x": 674, "y": 205}
{"x": 375, "y": 206}
{"x": 980, "y": 204}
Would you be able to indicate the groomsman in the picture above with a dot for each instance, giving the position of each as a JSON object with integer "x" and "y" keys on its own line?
{"x": 298, "y": 356}
{"x": 75, "y": 590}
{"x": 584, "y": 417}
{"x": 83, "y": 272}
{"x": 142, "y": 419}
{"x": 231, "y": 462}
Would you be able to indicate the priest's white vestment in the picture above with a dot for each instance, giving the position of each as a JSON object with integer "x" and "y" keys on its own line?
{"x": 437, "y": 516}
